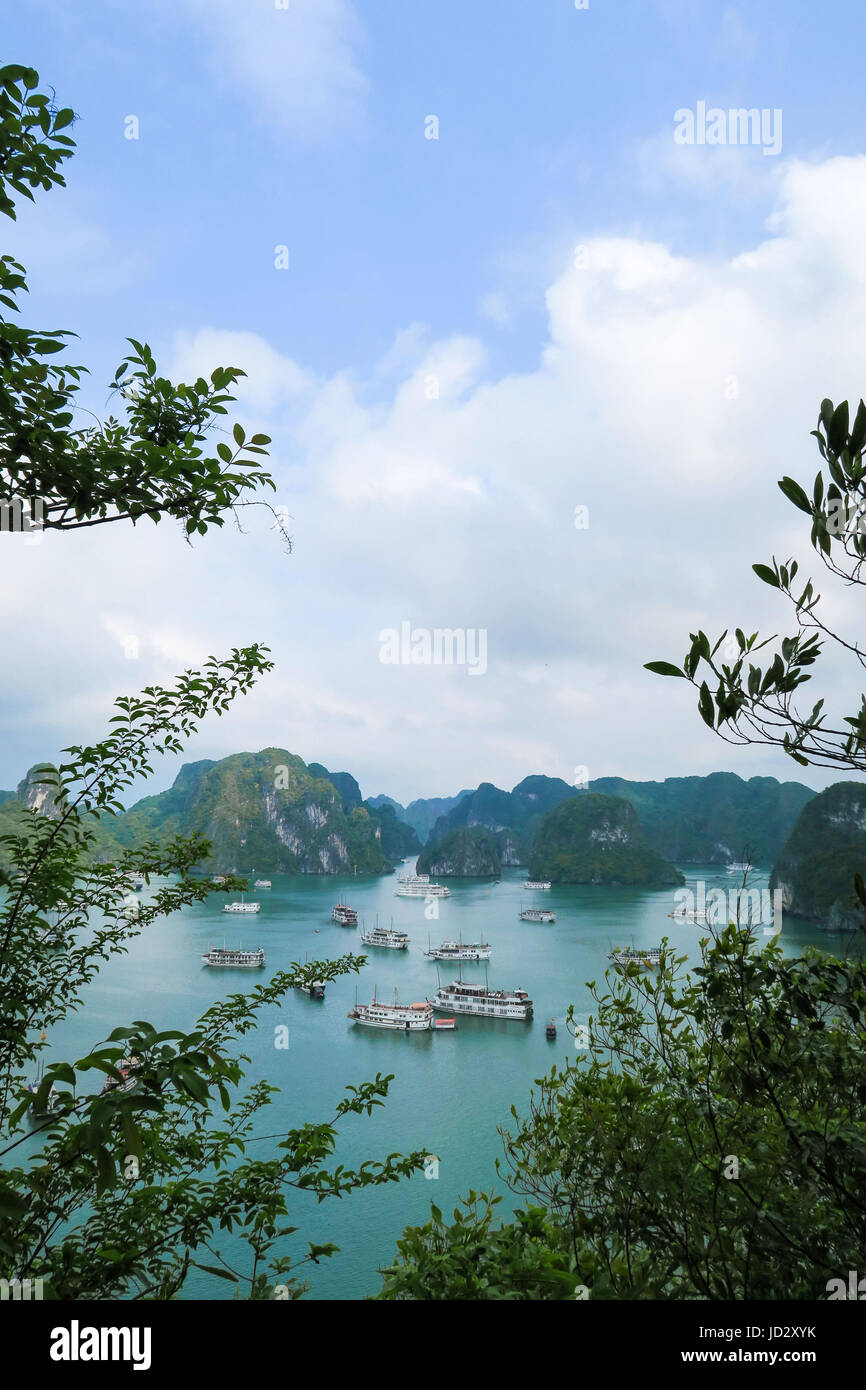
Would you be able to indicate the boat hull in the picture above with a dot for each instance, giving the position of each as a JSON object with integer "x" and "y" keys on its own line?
{"x": 482, "y": 1008}
{"x": 421, "y": 892}
{"x": 457, "y": 955}
{"x": 256, "y": 962}
{"x": 393, "y": 1025}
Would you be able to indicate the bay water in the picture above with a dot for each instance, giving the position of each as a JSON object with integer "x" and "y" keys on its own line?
{"x": 450, "y": 1090}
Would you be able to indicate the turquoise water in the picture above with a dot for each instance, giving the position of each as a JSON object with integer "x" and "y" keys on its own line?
{"x": 450, "y": 1090}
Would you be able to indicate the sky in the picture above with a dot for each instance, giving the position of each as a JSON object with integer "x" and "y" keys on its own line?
{"x": 531, "y": 363}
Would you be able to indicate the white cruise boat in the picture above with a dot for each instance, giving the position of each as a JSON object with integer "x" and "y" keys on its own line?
{"x": 649, "y": 956}
{"x": 262, "y": 883}
{"x": 462, "y": 998}
{"x": 343, "y": 915}
{"x": 242, "y": 906}
{"x": 537, "y": 914}
{"x": 422, "y": 889}
{"x": 535, "y": 883}
{"x": 383, "y": 936}
{"x": 458, "y": 950}
{"x": 226, "y": 957}
{"x": 401, "y": 1018}
{"x": 690, "y": 915}
{"x": 218, "y": 878}
{"x": 738, "y": 867}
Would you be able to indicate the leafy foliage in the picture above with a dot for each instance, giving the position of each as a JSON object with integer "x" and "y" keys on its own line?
{"x": 745, "y": 702}
{"x": 708, "y": 1140}
{"x": 134, "y": 1183}
{"x": 151, "y": 461}
{"x": 479, "y": 1259}
{"x": 707, "y": 1143}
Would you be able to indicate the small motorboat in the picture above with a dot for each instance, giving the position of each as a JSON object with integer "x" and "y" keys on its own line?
{"x": 550, "y": 1031}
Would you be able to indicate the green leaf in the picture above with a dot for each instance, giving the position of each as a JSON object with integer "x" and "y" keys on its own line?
{"x": 837, "y": 428}
{"x": 105, "y": 1171}
{"x": 769, "y": 576}
{"x": 215, "y": 1269}
{"x": 12, "y": 1206}
{"x": 795, "y": 494}
{"x": 705, "y": 705}
{"x": 663, "y": 668}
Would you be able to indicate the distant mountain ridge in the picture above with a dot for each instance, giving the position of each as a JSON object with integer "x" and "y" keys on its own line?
{"x": 513, "y": 816}
{"x": 708, "y": 820}
{"x": 271, "y": 811}
{"x": 265, "y": 811}
{"x": 423, "y": 813}
{"x": 716, "y": 818}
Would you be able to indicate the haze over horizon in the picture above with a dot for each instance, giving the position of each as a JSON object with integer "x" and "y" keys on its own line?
{"x": 475, "y": 336}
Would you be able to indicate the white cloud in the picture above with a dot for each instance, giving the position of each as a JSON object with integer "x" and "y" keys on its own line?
{"x": 272, "y": 380}
{"x": 457, "y": 510}
{"x": 296, "y": 66}
{"x": 742, "y": 171}
{"x": 407, "y": 347}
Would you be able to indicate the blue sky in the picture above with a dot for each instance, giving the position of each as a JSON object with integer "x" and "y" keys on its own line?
{"x": 543, "y": 113}
{"x": 453, "y": 257}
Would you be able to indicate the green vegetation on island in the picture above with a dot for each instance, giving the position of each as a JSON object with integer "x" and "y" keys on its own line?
{"x": 266, "y": 811}
{"x": 598, "y": 839}
{"x": 687, "y": 820}
{"x": 713, "y": 819}
{"x": 825, "y": 853}
{"x": 464, "y": 852}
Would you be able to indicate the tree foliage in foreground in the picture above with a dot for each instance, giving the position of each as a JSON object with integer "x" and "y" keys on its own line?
{"x": 154, "y": 458}
{"x": 707, "y": 1144}
{"x": 747, "y": 702}
{"x": 710, "y": 1142}
{"x": 123, "y": 1192}
{"x": 119, "y": 1192}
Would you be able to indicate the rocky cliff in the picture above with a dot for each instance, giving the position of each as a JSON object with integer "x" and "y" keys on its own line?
{"x": 465, "y": 852}
{"x": 713, "y": 819}
{"x": 598, "y": 839}
{"x": 826, "y": 848}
